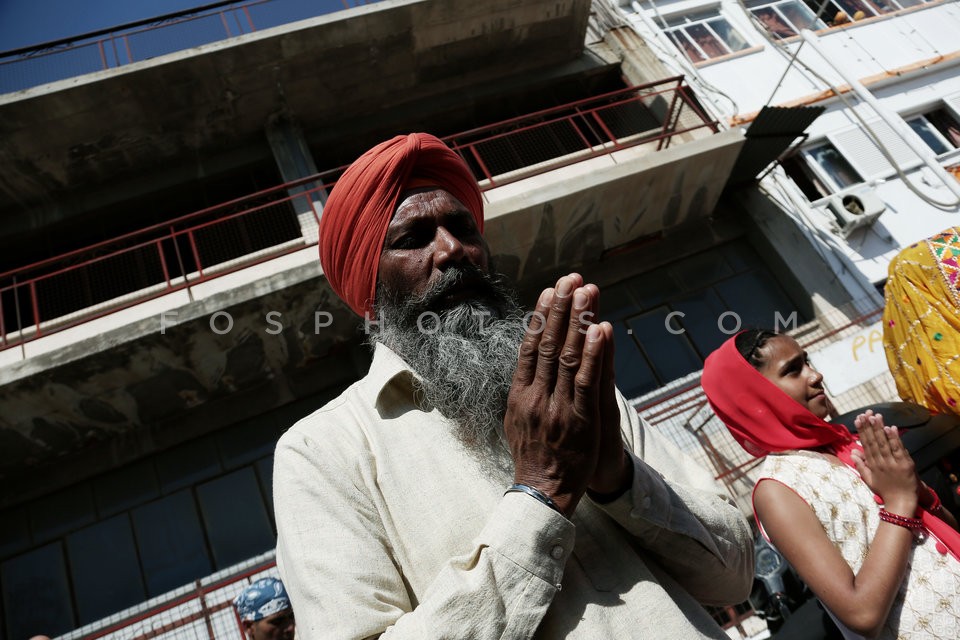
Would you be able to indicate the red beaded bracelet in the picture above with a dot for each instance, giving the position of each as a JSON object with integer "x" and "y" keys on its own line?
{"x": 936, "y": 506}
{"x": 914, "y": 524}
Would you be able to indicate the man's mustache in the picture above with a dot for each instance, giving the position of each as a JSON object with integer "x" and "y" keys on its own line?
{"x": 454, "y": 278}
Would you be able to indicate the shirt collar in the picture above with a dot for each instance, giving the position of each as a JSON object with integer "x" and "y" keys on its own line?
{"x": 388, "y": 369}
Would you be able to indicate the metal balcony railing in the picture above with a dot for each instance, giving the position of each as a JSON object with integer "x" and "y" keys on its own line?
{"x": 132, "y": 42}
{"x": 101, "y": 279}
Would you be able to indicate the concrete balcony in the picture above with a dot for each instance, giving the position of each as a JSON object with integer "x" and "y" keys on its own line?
{"x": 214, "y": 342}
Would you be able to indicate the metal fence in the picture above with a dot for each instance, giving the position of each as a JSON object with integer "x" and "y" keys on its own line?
{"x": 118, "y": 46}
{"x": 200, "y": 611}
{"x": 95, "y": 281}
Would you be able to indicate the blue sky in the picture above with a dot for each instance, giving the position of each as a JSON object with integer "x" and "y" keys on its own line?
{"x": 28, "y": 22}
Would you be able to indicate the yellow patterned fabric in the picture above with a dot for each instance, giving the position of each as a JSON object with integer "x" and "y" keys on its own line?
{"x": 927, "y": 605}
{"x": 921, "y": 322}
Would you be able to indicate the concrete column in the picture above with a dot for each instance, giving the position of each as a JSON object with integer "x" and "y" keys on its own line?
{"x": 293, "y": 157}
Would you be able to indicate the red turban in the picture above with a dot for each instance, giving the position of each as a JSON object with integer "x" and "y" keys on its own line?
{"x": 362, "y": 203}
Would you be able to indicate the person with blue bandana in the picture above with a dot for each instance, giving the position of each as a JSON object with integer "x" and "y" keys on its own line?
{"x": 264, "y": 611}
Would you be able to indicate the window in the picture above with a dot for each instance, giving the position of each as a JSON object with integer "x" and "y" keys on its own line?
{"x": 104, "y": 568}
{"x": 704, "y": 35}
{"x": 839, "y": 12}
{"x": 36, "y": 593}
{"x": 784, "y": 18}
{"x": 235, "y": 518}
{"x": 821, "y": 170}
{"x": 939, "y": 129}
{"x": 832, "y": 167}
{"x": 666, "y": 321}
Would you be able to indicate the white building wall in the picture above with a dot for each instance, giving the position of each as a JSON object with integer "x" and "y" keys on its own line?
{"x": 909, "y": 61}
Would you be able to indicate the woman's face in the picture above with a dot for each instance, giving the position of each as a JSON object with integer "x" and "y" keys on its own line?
{"x": 786, "y": 365}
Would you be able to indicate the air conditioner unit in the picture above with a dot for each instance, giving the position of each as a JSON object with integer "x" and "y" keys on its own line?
{"x": 855, "y": 209}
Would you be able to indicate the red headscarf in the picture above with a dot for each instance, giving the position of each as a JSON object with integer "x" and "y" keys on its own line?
{"x": 761, "y": 417}
{"x": 362, "y": 203}
{"x": 764, "y": 419}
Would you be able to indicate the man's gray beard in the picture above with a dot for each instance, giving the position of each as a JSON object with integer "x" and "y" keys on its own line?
{"x": 465, "y": 361}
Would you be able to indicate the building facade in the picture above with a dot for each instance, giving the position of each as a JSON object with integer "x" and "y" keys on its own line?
{"x": 163, "y": 316}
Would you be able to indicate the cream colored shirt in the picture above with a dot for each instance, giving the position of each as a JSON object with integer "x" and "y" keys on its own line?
{"x": 927, "y": 605}
{"x": 387, "y": 526}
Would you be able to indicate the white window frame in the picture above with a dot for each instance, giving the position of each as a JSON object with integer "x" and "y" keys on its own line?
{"x": 951, "y": 105}
{"x": 870, "y": 10}
{"x": 774, "y": 5}
{"x": 827, "y": 180}
{"x": 677, "y": 25}
{"x": 949, "y": 146}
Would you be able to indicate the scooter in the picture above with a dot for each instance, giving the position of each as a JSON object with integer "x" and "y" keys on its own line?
{"x": 779, "y": 595}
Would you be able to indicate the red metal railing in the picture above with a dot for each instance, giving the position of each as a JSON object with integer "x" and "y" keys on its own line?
{"x": 101, "y": 279}
{"x": 124, "y": 44}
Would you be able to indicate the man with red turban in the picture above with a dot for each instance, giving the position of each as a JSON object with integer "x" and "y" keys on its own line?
{"x": 485, "y": 479}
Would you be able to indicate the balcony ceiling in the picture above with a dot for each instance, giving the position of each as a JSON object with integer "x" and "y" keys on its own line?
{"x": 342, "y": 67}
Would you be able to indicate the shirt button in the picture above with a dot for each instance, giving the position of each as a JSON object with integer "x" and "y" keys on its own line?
{"x": 942, "y": 548}
{"x": 556, "y": 552}
{"x": 645, "y": 503}
{"x": 635, "y": 514}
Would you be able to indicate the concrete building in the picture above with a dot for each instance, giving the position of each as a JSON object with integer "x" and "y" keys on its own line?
{"x": 877, "y": 171}
{"x": 163, "y": 316}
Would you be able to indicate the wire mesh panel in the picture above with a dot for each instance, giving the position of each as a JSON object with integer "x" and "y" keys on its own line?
{"x": 276, "y": 12}
{"x": 92, "y": 285}
{"x": 249, "y": 235}
{"x": 531, "y": 145}
{"x": 176, "y": 36}
{"x": 49, "y": 66}
{"x": 630, "y": 118}
{"x": 200, "y": 611}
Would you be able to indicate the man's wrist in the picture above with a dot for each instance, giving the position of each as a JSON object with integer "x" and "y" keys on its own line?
{"x": 623, "y": 484}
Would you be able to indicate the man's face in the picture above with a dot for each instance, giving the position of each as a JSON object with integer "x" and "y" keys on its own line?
{"x": 279, "y": 626}
{"x": 430, "y": 232}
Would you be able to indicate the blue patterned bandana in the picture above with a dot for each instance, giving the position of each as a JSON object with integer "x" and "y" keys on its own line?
{"x": 263, "y": 598}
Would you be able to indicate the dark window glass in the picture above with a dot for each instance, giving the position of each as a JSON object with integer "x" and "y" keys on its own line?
{"x": 633, "y": 374}
{"x": 701, "y": 311}
{"x": 250, "y": 440}
{"x": 835, "y": 165}
{"x": 652, "y": 288}
{"x": 701, "y": 269}
{"x": 946, "y": 124}
{"x": 616, "y": 302}
{"x": 14, "y": 532}
{"x": 671, "y": 355}
{"x": 741, "y": 256}
{"x": 187, "y": 464}
{"x": 810, "y": 183}
{"x": 104, "y": 568}
{"x": 36, "y": 595}
{"x": 235, "y": 517}
{"x": 756, "y": 297}
{"x": 171, "y": 542}
{"x": 265, "y": 475}
{"x": 61, "y": 512}
{"x": 126, "y": 487}
{"x": 925, "y": 130}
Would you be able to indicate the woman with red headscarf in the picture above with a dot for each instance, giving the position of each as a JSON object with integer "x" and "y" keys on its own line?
{"x": 868, "y": 538}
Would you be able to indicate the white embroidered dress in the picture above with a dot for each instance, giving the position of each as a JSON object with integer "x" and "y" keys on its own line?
{"x": 928, "y": 603}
